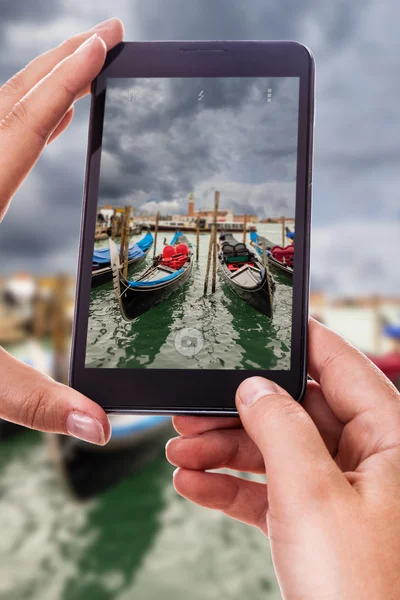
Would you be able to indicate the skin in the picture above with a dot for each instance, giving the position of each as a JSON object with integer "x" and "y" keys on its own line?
{"x": 36, "y": 106}
{"x": 331, "y": 504}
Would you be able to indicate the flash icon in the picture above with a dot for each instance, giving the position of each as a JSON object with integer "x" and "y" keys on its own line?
{"x": 201, "y": 95}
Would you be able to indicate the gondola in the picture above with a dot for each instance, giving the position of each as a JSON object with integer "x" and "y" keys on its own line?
{"x": 101, "y": 268}
{"x": 245, "y": 273}
{"x": 281, "y": 259}
{"x": 88, "y": 470}
{"x": 169, "y": 271}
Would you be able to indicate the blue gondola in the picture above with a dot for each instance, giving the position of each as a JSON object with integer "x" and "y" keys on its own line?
{"x": 169, "y": 271}
{"x": 101, "y": 267}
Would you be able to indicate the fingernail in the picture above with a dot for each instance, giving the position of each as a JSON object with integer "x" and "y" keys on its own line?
{"x": 85, "y": 428}
{"x": 88, "y": 42}
{"x": 255, "y": 388}
{"x": 103, "y": 25}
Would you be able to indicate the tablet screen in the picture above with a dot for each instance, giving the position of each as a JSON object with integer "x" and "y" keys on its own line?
{"x": 194, "y": 250}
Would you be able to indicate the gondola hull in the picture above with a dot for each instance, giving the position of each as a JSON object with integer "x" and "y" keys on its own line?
{"x": 276, "y": 264}
{"x": 245, "y": 274}
{"x": 259, "y": 297}
{"x": 273, "y": 262}
{"x": 135, "y": 301}
{"x": 102, "y": 276}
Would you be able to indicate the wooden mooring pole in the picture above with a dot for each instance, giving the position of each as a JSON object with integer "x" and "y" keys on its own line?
{"x": 156, "y": 233}
{"x": 124, "y": 242}
{"x": 197, "y": 238}
{"x": 212, "y": 247}
{"x": 113, "y": 226}
{"x": 283, "y": 231}
{"x": 245, "y": 229}
{"x": 122, "y": 239}
{"x": 214, "y": 271}
{"x": 266, "y": 265}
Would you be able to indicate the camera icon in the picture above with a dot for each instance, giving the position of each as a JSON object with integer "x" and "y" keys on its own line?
{"x": 189, "y": 341}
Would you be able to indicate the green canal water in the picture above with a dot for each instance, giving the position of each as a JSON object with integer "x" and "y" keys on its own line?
{"x": 235, "y": 335}
{"x": 138, "y": 541}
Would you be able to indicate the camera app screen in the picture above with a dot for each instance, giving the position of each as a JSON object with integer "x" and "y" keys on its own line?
{"x": 194, "y": 249}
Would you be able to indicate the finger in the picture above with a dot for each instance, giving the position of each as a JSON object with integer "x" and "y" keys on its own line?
{"x": 29, "y": 398}
{"x": 230, "y": 448}
{"x": 328, "y": 425}
{"x": 234, "y": 449}
{"x": 350, "y": 382}
{"x": 297, "y": 462}
{"x": 110, "y": 31}
{"x": 27, "y": 128}
{"x": 197, "y": 425}
{"x": 239, "y": 499}
{"x": 62, "y": 126}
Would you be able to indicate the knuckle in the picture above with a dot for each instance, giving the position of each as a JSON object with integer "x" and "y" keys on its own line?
{"x": 261, "y": 517}
{"x": 19, "y": 115}
{"x": 34, "y": 408}
{"x": 15, "y": 85}
{"x": 62, "y": 81}
{"x": 68, "y": 90}
{"x": 278, "y": 405}
{"x": 232, "y": 500}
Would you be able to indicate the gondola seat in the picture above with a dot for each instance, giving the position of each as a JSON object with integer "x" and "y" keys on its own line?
{"x": 180, "y": 256}
{"x": 228, "y": 250}
{"x": 182, "y": 249}
{"x": 284, "y": 255}
{"x": 167, "y": 254}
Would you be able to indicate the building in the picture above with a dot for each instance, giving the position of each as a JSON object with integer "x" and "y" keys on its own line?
{"x": 226, "y": 216}
{"x": 241, "y": 218}
{"x": 222, "y": 215}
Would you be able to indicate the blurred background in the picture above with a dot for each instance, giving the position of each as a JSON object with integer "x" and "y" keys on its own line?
{"x": 107, "y": 525}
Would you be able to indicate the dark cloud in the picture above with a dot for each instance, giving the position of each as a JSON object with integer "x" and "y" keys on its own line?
{"x": 235, "y": 19}
{"x": 24, "y": 14}
{"x": 356, "y": 175}
{"x": 161, "y": 142}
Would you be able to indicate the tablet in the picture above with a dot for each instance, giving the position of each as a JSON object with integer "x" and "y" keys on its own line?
{"x": 194, "y": 250}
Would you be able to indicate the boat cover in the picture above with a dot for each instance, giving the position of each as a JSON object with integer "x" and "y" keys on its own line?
{"x": 130, "y": 426}
{"x": 102, "y": 255}
{"x": 254, "y": 237}
{"x": 393, "y": 331}
{"x": 259, "y": 239}
{"x": 143, "y": 284}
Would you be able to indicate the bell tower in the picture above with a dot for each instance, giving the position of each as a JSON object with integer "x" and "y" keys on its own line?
{"x": 191, "y": 205}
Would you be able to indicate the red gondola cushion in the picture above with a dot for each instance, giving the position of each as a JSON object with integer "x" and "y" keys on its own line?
{"x": 284, "y": 255}
{"x": 168, "y": 252}
{"x": 182, "y": 249}
{"x": 177, "y": 261}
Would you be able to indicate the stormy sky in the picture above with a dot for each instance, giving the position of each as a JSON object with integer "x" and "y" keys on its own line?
{"x": 356, "y": 212}
{"x": 161, "y": 142}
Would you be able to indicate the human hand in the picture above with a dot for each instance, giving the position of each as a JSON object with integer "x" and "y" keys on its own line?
{"x": 36, "y": 106}
{"x": 331, "y": 506}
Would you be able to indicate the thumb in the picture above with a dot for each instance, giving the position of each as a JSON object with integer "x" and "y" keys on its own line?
{"x": 297, "y": 462}
{"x": 34, "y": 400}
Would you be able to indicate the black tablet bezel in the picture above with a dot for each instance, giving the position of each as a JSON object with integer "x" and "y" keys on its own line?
{"x": 182, "y": 391}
